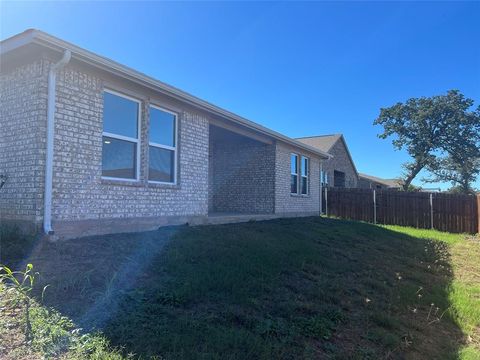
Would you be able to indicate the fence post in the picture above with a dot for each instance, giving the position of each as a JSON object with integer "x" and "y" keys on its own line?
{"x": 326, "y": 201}
{"x": 374, "y": 207}
{"x": 478, "y": 213}
{"x": 431, "y": 211}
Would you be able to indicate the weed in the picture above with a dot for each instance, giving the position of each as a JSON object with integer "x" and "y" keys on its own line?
{"x": 22, "y": 288}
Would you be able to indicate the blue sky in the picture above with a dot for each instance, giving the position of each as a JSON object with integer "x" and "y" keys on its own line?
{"x": 298, "y": 68}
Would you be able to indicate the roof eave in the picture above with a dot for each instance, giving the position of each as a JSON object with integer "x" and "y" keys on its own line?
{"x": 349, "y": 155}
{"x": 51, "y": 42}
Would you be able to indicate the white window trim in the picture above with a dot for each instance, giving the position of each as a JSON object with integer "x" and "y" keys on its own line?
{"x": 166, "y": 147}
{"x": 126, "y": 138}
{"x": 303, "y": 176}
{"x": 297, "y": 173}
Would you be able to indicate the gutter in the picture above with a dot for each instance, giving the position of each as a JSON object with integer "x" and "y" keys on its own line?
{"x": 52, "y": 79}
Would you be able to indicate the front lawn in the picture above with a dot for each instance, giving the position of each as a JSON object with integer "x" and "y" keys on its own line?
{"x": 280, "y": 289}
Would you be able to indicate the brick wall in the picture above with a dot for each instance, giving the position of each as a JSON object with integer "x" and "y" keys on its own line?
{"x": 79, "y": 191}
{"x": 23, "y": 109}
{"x": 285, "y": 202}
{"x": 241, "y": 175}
{"x": 251, "y": 177}
{"x": 340, "y": 162}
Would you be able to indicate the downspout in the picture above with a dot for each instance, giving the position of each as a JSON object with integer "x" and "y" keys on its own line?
{"x": 52, "y": 79}
{"x": 321, "y": 188}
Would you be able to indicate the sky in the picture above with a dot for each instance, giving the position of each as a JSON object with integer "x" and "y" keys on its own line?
{"x": 298, "y": 68}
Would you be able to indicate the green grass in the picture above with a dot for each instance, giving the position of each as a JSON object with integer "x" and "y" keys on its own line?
{"x": 464, "y": 289}
{"x": 426, "y": 234}
{"x": 54, "y": 335}
{"x": 286, "y": 289}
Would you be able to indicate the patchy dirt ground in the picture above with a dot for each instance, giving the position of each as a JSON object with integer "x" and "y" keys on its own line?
{"x": 295, "y": 288}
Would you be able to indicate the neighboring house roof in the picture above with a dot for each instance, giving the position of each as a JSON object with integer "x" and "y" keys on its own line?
{"x": 40, "y": 38}
{"x": 326, "y": 142}
{"x": 322, "y": 142}
{"x": 392, "y": 183}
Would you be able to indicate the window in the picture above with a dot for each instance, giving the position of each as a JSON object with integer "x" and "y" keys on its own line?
{"x": 338, "y": 179}
{"x": 304, "y": 172}
{"x": 324, "y": 178}
{"x": 162, "y": 146}
{"x": 294, "y": 174}
{"x": 120, "y": 143}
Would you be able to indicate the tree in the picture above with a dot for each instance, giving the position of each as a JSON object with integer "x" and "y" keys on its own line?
{"x": 429, "y": 128}
{"x": 460, "y": 163}
{"x": 460, "y": 172}
{"x": 458, "y": 190}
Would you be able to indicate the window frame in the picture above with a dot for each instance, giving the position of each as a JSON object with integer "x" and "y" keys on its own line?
{"x": 307, "y": 177}
{"x": 296, "y": 174}
{"x": 166, "y": 147}
{"x": 136, "y": 140}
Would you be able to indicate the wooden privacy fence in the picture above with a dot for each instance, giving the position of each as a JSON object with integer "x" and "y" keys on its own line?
{"x": 441, "y": 211}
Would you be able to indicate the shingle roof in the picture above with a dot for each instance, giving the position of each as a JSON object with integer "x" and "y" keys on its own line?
{"x": 325, "y": 143}
{"x": 394, "y": 183}
{"x": 322, "y": 142}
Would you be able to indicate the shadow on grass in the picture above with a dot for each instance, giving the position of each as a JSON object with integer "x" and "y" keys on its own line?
{"x": 290, "y": 288}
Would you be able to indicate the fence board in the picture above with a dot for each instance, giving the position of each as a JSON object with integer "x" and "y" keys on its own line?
{"x": 351, "y": 204}
{"x": 451, "y": 212}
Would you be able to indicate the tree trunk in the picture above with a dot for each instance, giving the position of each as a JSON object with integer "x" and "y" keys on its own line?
{"x": 465, "y": 187}
{"x": 413, "y": 173}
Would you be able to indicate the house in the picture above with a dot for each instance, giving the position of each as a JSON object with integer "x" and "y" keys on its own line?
{"x": 373, "y": 182}
{"x": 89, "y": 146}
{"x": 339, "y": 170}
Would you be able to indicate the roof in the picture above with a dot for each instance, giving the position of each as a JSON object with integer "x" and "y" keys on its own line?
{"x": 326, "y": 142}
{"x": 37, "y": 37}
{"x": 322, "y": 142}
{"x": 394, "y": 183}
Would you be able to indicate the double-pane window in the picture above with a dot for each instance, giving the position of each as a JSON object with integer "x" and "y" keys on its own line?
{"x": 293, "y": 173}
{"x": 304, "y": 170}
{"x": 120, "y": 140}
{"x": 162, "y": 146}
{"x": 299, "y": 172}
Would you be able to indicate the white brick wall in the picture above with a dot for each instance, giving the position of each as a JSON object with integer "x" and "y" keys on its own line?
{"x": 23, "y": 107}
{"x": 285, "y": 202}
{"x": 80, "y": 192}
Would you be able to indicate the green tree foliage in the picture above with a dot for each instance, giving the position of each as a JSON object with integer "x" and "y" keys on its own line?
{"x": 441, "y": 135}
{"x": 460, "y": 172}
{"x": 461, "y": 163}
